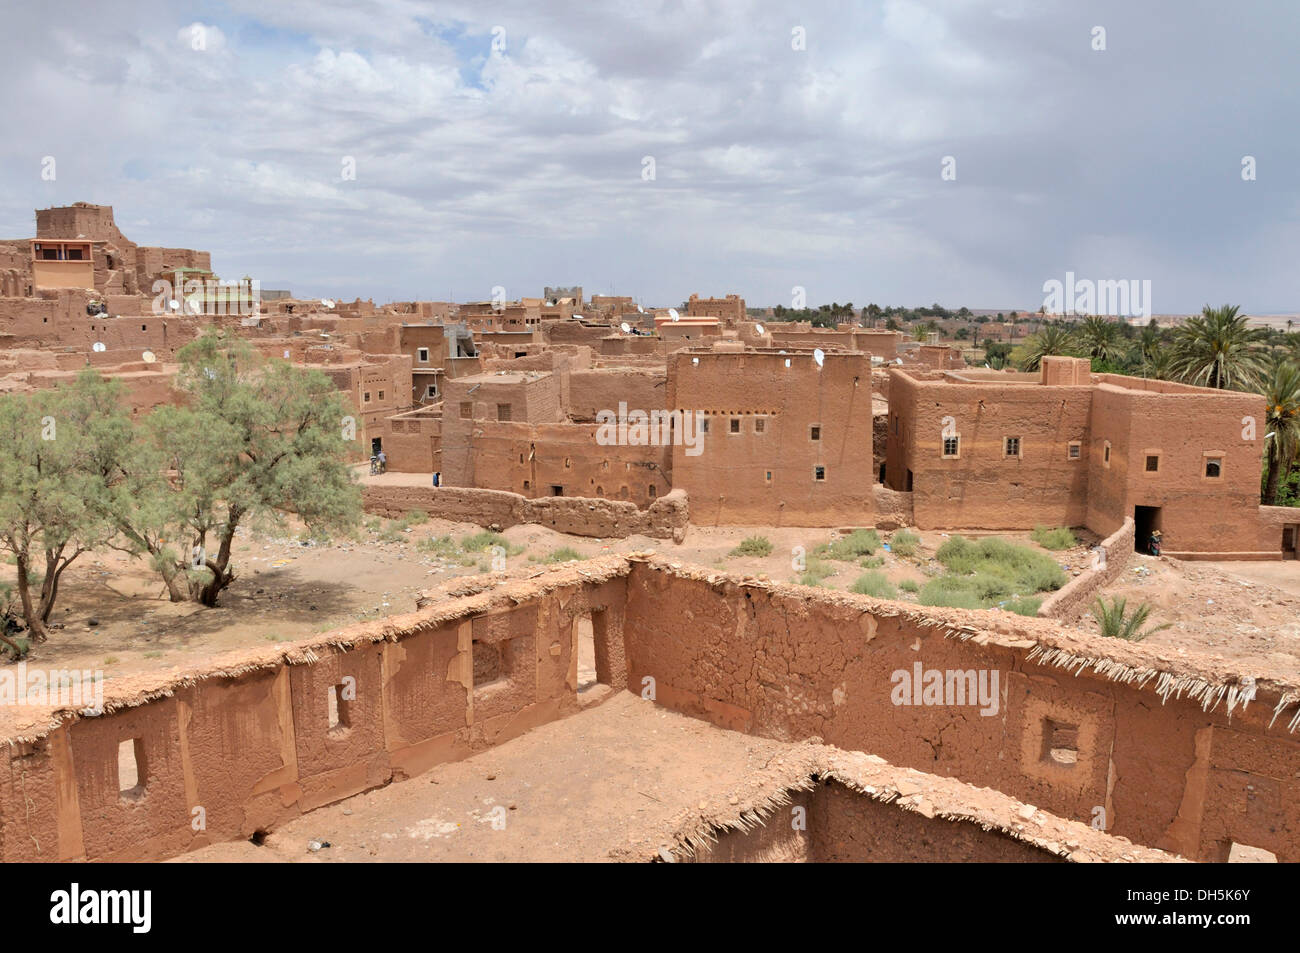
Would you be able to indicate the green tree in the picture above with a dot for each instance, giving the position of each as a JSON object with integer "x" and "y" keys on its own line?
{"x": 1050, "y": 340}
{"x": 1217, "y": 349}
{"x": 1099, "y": 338}
{"x": 46, "y": 482}
{"x": 1115, "y": 622}
{"x": 258, "y": 440}
{"x": 1280, "y": 385}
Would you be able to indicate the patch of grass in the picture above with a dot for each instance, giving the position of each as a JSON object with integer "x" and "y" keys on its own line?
{"x": 874, "y": 584}
{"x": 904, "y": 543}
{"x": 372, "y": 524}
{"x": 153, "y": 654}
{"x": 815, "y": 572}
{"x": 1059, "y": 537}
{"x": 478, "y": 542}
{"x": 860, "y": 542}
{"x": 111, "y": 660}
{"x": 440, "y": 545}
{"x": 872, "y": 562}
{"x": 1025, "y": 605}
{"x": 415, "y": 518}
{"x": 562, "y": 555}
{"x": 753, "y": 546}
{"x": 910, "y": 585}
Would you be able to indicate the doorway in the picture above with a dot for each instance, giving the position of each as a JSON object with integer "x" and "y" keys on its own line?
{"x": 1290, "y": 540}
{"x": 1146, "y": 520}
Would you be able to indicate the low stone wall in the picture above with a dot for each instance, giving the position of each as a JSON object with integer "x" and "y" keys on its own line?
{"x": 665, "y": 518}
{"x": 1073, "y": 599}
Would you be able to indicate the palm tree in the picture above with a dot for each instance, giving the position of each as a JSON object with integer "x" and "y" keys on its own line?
{"x": 1099, "y": 338}
{"x": 1280, "y": 385}
{"x": 1116, "y": 623}
{"x": 1051, "y": 339}
{"x": 1217, "y": 349}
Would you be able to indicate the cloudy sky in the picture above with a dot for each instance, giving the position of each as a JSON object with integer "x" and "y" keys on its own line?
{"x": 232, "y": 126}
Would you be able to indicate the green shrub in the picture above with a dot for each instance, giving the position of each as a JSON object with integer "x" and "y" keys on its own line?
{"x": 815, "y": 572}
{"x": 1059, "y": 538}
{"x": 904, "y": 543}
{"x": 562, "y": 555}
{"x": 484, "y": 540}
{"x": 1115, "y": 622}
{"x": 910, "y": 585}
{"x": 753, "y": 546}
{"x": 872, "y": 562}
{"x": 874, "y": 584}
{"x": 860, "y": 542}
{"x": 1025, "y": 605}
{"x": 1001, "y": 568}
{"x": 441, "y": 545}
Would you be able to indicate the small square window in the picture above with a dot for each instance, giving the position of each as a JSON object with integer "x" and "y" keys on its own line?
{"x": 423, "y": 355}
{"x": 767, "y": 476}
{"x": 466, "y": 410}
{"x": 760, "y": 424}
{"x": 819, "y": 473}
{"x": 1012, "y": 446}
{"x": 1074, "y": 450}
{"x": 1060, "y": 743}
{"x": 1153, "y": 463}
{"x": 735, "y": 425}
{"x": 381, "y": 395}
{"x": 365, "y": 398}
{"x": 503, "y": 411}
{"x": 1213, "y": 467}
{"x": 815, "y": 432}
{"x": 431, "y": 391}
{"x": 651, "y": 492}
{"x": 704, "y": 425}
{"x": 951, "y": 445}
{"x": 1105, "y": 454}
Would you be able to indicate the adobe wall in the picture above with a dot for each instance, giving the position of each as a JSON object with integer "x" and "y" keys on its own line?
{"x": 245, "y": 744}
{"x": 665, "y": 518}
{"x": 728, "y": 478}
{"x": 591, "y": 391}
{"x": 982, "y": 488}
{"x": 1083, "y": 725}
{"x": 1076, "y": 596}
{"x": 1180, "y": 425}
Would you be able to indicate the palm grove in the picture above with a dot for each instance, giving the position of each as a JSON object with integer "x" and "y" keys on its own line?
{"x": 253, "y": 442}
{"x": 1216, "y": 348}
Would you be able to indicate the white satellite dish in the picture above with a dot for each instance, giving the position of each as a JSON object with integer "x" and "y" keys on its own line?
{"x": 640, "y": 309}
{"x": 787, "y": 361}
{"x": 626, "y": 327}
{"x": 819, "y": 356}
{"x": 175, "y": 305}
{"x": 758, "y": 328}
{"x": 578, "y": 317}
{"x": 327, "y": 302}
{"x": 149, "y": 357}
{"x": 672, "y": 313}
{"x": 898, "y": 360}
{"x": 98, "y": 346}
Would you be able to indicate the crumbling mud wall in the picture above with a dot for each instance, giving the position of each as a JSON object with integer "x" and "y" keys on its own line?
{"x": 1164, "y": 752}
{"x": 665, "y": 518}
{"x": 256, "y": 738}
{"x": 1073, "y": 599}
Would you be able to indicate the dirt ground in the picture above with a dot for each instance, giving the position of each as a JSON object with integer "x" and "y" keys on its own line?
{"x": 115, "y": 616}
{"x": 609, "y": 783}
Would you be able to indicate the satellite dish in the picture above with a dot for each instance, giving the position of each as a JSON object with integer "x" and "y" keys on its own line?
{"x": 174, "y": 305}
{"x": 898, "y": 360}
{"x": 819, "y": 356}
{"x": 695, "y": 360}
{"x": 640, "y": 309}
{"x": 192, "y": 305}
{"x": 672, "y": 313}
{"x": 758, "y": 328}
{"x": 98, "y": 346}
{"x": 626, "y": 327}
{"x": 787, "y": 360}
{"x": 286, "y": 355}
{"x": 327, "y": 302}
{"x": 149, "y": 357}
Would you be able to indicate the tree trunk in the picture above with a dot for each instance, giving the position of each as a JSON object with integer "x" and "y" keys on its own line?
{"x": 1274, "y": 472}
{"x": 35, "y": 625}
